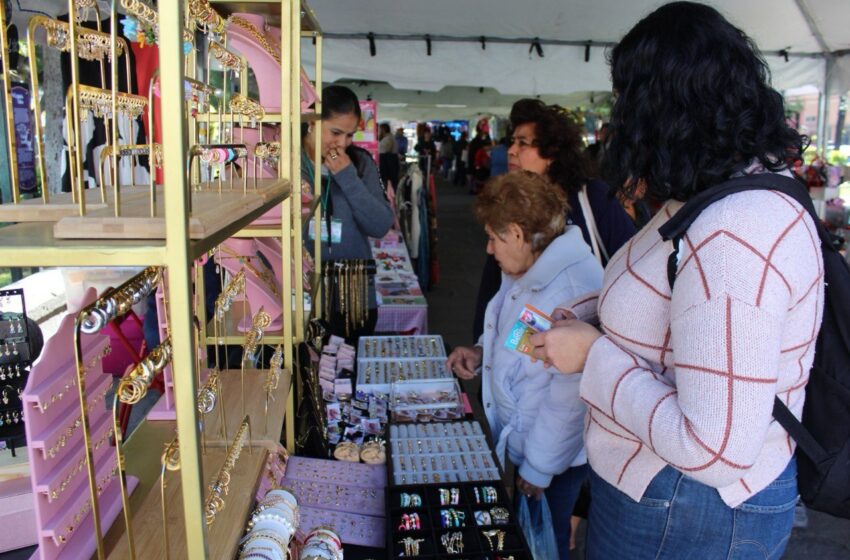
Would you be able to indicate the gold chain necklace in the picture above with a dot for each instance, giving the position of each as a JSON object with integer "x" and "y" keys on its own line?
{"x": 256, "y": 34}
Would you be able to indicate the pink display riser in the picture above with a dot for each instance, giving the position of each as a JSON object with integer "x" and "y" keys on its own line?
{"x": 257, "y": 294}
{"x": 49, "y": 374}
{"x": 267, "y": 72}
{"x": 265, "y": 67}
{"x": 17, "y": 515}
{"x": 162, "y": 320}
{"x": 46, "y": 469}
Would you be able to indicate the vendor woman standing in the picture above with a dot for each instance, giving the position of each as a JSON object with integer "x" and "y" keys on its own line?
{"x": 353, "y": 206}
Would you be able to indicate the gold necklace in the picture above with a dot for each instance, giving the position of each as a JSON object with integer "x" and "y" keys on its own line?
{"x": 256, "y": 34}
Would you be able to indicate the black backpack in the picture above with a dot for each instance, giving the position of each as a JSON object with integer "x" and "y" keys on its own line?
{"x": 823, "y": 437}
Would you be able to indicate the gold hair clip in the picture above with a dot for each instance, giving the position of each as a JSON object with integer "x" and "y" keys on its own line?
{"x": 247, "y": 107}
{"x": 205, "y": 17}
{"x": 225, "y": 58}
{"x": 91, "y": 44}
{"x": 99, "y": 102}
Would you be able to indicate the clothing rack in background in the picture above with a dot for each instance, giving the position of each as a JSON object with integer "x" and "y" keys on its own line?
{"x": 416, "y": 207}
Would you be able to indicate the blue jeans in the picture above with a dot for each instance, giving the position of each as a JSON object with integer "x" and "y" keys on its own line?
{"x": 679, "y": 517}
{"x": 561, "y": 496}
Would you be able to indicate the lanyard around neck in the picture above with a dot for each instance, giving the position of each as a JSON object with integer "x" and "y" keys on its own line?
{"x": 311, "y": 170}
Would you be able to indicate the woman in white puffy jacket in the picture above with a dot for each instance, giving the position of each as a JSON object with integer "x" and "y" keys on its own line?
{"x": 535, "y": 414}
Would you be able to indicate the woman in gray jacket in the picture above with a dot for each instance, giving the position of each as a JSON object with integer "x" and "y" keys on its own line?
{"x": 353, "y": 199}
{"x": 354, "y": 205}
{"x": 535, "y": 414}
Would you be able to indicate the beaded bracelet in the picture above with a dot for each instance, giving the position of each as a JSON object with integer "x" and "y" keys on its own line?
{"x": 287, "y": 524}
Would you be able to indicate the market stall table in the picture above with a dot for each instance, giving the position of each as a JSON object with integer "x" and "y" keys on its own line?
{"x": 402, "y": 307}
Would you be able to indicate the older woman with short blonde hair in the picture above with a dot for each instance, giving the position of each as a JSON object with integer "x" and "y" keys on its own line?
{"x": 535, "y": 414}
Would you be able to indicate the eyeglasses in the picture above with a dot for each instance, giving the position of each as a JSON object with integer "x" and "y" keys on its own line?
{"x": 523, "y": 142}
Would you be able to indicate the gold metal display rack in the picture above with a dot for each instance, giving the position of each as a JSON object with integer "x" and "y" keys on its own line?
{"x": 176, "y": 249}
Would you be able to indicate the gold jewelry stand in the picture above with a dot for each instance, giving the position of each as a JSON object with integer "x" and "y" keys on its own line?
{"x": 113, "y": 304}
{"x": 221, "y": 483}
{"x": 170, "y": 462}
{"x": 252, "y": 341}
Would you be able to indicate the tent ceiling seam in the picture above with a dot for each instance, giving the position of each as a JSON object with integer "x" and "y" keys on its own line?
{"x": 813, "y": 26}
{"x": 529, "y": 40}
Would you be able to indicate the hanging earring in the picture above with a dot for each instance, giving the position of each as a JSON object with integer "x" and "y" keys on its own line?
{"x": 5, "y": 396}
{"x": 15, "y": 348}
{"x": 2, "y": 373}
{"x": 18, "y": 370}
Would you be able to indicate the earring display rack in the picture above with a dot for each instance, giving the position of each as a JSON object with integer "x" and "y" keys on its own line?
{"x": 15, "y": 361}
{"x": 171, "y": 228}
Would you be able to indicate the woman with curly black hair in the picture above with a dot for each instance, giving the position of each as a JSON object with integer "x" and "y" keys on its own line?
{"x": 548, "y": 142}
{"x": 686, "y": 459}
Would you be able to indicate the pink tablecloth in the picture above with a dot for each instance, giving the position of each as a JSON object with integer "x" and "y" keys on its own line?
{"x": 401, "y": 304}
{"x": 412, "y": 319}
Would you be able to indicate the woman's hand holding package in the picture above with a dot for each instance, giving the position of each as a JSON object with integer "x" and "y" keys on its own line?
{"x": 566, "y": 345}
{"x": 464, "y": 360}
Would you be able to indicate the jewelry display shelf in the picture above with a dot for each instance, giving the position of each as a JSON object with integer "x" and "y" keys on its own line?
{"x": 265, "y": 434}
{"x": 138, "y": 240}
{"x": 60, "y": 206}
{"x": 34, "y": 244}
{"x": 211, "y": 211}
{"x": 57, "y": 448}
{"x": 226, "y": 530}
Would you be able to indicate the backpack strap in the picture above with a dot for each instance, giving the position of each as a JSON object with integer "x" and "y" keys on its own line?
{"x": 798, "y": 432}
{"x": 676, "y": 227}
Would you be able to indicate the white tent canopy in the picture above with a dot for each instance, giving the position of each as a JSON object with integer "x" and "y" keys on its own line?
{"x": 807, "y": 29}
{"x": 775, "y": 25}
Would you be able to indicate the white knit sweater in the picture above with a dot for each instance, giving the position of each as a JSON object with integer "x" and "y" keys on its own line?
{"x": 689, "y": 379}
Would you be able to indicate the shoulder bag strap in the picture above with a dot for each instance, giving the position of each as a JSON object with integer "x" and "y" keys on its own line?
{"x": 595, "y": 239}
